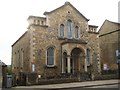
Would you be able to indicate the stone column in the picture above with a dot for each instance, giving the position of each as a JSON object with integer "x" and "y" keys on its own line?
{"x": 85, "y": 63}
{"x": 63, "y": 65}
{"x": 68, "y": 64}
{"x": 85, "y": 66}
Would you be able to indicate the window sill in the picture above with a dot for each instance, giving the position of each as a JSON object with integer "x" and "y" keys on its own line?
{"x": 89, "y": 65}
{"x": 50, "y": 66}
{"x": 61, "y": 38}
{"x": 69, "y": 38}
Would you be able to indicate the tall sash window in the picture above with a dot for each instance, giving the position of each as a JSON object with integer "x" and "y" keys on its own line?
{"x": 88, "y": 56}
{"x": 61, "y": 30}
{"x": 69, "y": 31}
{"x": 76, "y": 32}
{"x": 50, "y": 56}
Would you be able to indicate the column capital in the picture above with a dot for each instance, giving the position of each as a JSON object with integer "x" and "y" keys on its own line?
{"x": 68, "y": 55}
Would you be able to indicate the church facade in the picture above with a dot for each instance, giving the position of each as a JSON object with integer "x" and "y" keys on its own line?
{"x": 61, "y": 44}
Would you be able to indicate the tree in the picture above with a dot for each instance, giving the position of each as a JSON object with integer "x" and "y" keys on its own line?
{"x": 9, "y": 70}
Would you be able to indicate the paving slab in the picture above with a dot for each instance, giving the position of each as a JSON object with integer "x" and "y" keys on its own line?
{"x": 73, "y": 84}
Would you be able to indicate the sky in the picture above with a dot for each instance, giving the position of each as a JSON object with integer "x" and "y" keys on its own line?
{"x": 14, "y": 14}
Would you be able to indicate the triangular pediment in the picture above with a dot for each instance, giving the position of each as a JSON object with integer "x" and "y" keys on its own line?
{"x": 63, "y": 6}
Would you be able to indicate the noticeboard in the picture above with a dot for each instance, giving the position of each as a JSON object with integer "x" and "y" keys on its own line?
{"x": 118, "y": 56}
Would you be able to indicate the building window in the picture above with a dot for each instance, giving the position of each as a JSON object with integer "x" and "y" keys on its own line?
{"x": 69, "y": 31}
{"x": 42, "y": 22}
{"x": 34, "y": 21}
{"x": 61, "y": 30}
{"x": 50, "y": 56}
{"x": 88, "y": 57}
{"x": 76, "y": 32}
{"x": 38, "y": 21}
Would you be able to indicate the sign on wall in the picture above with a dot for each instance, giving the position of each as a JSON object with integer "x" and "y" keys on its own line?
{"x": 33, "y": 67}
{"x": 105, "y": 67}
{"x": 118, "y": 56}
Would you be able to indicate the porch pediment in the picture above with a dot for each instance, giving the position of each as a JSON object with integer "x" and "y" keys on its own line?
{"x": 69, "y": 44}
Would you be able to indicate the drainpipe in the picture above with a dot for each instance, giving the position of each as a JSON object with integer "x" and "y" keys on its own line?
{"x": 61, "y": 56}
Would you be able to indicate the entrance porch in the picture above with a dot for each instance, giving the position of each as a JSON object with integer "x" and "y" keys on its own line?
{"x": 74, "y": 61}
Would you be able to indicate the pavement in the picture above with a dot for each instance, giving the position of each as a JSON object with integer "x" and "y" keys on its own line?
{"x": 73, "y": 84}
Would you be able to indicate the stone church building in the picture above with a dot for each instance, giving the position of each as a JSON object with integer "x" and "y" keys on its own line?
{"x": 60, "y": 45}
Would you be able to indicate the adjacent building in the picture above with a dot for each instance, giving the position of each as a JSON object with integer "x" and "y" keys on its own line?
{"x": 109, "y": 34}
{"x": 61, "y": 44}
{"x": 3, "y": 68}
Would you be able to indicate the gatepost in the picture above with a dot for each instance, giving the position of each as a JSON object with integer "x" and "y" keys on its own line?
{"x": 118, "y": 61}
{"x": 1, "y": 76}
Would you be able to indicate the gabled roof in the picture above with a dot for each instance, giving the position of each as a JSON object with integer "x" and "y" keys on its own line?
{"x": 66, "y": 3}
{"x": 2, "y": 63}
{"x": 108, "y": 26}
{"x": 117, "y": 24}
{"x": 20, "y": 38}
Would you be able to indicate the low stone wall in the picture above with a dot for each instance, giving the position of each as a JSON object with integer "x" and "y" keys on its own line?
{"x": 56, "y": 81}
{"x": 106, "y": 77}
{"x": 31, "y": 79}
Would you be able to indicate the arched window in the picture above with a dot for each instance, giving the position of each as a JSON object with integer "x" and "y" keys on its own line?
{"x": 88, "y": 56}
{"x": 69, "y": 32}
{"x": 76, "y": 32}
{"x": 50, "y": 56}
{"x": 61, "y": 30}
